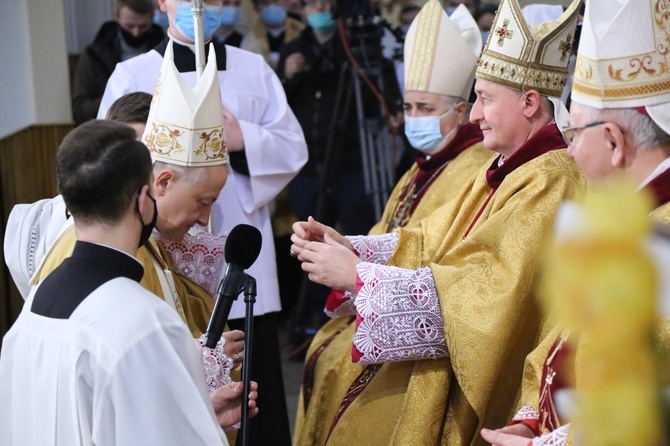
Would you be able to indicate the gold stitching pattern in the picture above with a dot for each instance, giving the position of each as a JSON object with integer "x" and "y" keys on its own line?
{"x": 520, "y": 77}
{"x": 423, "y": 52}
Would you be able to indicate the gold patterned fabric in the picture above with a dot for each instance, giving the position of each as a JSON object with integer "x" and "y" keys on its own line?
{"x": 491, "y": 320}
{"x": 334, "y": 371}
{"x": 444, "y": 187}
{"x": 195, "y": 303}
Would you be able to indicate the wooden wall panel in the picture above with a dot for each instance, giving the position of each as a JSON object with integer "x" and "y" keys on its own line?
{"x": 27, "y": 174}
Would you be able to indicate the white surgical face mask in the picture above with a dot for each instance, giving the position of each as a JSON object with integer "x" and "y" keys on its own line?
{"x": 424, "y": 133}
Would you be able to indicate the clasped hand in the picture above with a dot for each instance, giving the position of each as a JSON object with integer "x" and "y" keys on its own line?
{"x": 326, "y": 255}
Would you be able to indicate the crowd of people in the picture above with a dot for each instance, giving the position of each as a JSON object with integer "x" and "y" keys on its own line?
{"x": 515, "y": 254}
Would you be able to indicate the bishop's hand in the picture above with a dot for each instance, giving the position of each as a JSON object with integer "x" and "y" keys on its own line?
{"x": 313, "y": 231}
{"x": 330, "y": 263}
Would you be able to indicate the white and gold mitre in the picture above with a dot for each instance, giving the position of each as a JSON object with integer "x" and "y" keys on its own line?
{"x": 185, "y": 125}
{"x": 441, "y": 51}
{"x": 623, "y": 57}
{"x": 527, "y": 57}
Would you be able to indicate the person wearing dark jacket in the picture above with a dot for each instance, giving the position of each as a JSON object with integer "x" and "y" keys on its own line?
{"x": 131, "y": 34}
{"x": 331, "y": 186}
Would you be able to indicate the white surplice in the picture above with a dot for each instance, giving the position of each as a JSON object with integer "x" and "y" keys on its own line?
{"x": 90, "y": 379}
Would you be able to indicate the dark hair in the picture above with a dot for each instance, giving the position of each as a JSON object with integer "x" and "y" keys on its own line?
{"x": 100, "y": 168}
{"x": 410, "y": 7}
{"x": 131, "y": 107}
{"x": 485, "y": 9}
{"x": 142, "y": 7}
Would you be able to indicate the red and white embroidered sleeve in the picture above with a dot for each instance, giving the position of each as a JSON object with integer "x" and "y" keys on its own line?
{"x": 528, "y": 416}
{"x": 398, "y": 315}
{"x": 374, "y": 248}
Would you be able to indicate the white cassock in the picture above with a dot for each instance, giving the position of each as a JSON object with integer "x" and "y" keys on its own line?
{"x": 122, "y": 370}
{"x": 273, "y": 140}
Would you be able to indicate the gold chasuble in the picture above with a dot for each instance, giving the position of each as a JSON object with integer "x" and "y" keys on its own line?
{"x": 482, "y": 248}
{"x": 410, "y": 201}
{"x": 328, "y": 369}
{"x": 192, "y": 302}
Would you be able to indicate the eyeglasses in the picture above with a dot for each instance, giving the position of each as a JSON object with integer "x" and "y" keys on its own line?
{"x": 571, "y": 132}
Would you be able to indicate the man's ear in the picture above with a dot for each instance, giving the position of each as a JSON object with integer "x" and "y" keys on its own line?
{"x": 462, "y": 112}
{"x": 162, "y": 5}
{"x": 143, "y": 206}
{"x": 162, "y": 181}
{"x": 616, "y": 144}
{"x": 531, "y": 103}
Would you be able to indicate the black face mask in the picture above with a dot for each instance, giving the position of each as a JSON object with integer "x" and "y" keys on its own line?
{"x": 147, "y": 229}
{"x": 132, "y": 41}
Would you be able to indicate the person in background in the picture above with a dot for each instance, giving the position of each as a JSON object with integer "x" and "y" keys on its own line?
{"x": 133, "y": 109}
{"x": 130, "y": 34}
{"x": 272, "y": 30}
{"x": 230, "y": 16}
{"x": 332, "y": 182}
{"x": 484, "y": 17}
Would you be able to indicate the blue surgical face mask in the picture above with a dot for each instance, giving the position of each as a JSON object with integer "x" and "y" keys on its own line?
{"x": 230, "y": 15}
{"x": 211, "y": 20}
{"x": 424, "y": 133}
{"x": 273, "y": 15}
{"x": 321, "y": 22}
{"x": 161, "y": 19}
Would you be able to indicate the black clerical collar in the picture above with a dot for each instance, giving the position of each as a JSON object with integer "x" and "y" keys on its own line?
{"x": 89, "y": 267}
{"x": 184, "y": 57}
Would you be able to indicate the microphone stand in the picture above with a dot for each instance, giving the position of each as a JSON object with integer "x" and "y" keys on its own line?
{"x": 249, "y": 300}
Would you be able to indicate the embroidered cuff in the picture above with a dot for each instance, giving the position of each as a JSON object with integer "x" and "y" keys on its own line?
{"x": 374, "y": 248}
{"x": 530, "y": 417}
{"x": 398, "y": 315}
{"x": 340, "y": 303}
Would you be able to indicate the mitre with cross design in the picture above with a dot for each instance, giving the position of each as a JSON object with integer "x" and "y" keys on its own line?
{"x": 623, "y": 59}
{"x": 527, "y": 57}
{"x": 185, "y": 125}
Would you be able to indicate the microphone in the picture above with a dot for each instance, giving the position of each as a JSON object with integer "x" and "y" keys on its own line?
{"x": 243, "y": 245}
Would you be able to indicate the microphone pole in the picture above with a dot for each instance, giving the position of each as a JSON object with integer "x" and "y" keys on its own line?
{"x": 249, "y": 299}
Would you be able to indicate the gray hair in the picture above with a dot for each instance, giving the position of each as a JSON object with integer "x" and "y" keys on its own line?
{"x": 641, "y": 130}
{"x": 192, "y": 175}
{"x": 452, "y": 101}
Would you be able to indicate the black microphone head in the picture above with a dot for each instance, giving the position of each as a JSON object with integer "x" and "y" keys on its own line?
{"x": 243, "y": 245}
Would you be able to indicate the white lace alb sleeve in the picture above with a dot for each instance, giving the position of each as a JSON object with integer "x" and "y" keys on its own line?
{"x": 374, "y": 248}
{"x": 400, "y": 312}
{"x": 526, "y": 413}
{"x": 216, "y": 363}
{"x": 558, "y": 437}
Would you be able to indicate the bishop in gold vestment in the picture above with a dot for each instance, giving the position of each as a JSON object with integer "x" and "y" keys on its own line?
{"x": 445, "y": 312}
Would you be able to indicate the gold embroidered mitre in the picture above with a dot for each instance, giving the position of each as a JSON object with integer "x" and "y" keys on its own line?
{"x": 185, "y": 125}
{"x": 441, "y": 51}
{"x": 527, "y": 57}
{"x": 623, "y": 57}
